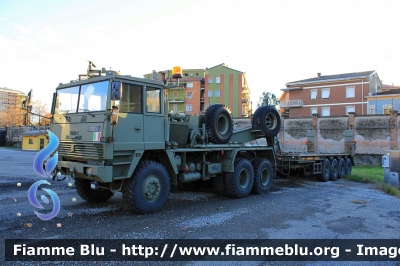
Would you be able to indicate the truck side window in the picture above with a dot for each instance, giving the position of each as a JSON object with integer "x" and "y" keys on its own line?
{"x": 131, "y": 99}
{"x": 153, "y": 104}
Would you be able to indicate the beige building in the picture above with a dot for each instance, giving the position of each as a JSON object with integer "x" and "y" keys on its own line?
{"x": 10, "y": 107}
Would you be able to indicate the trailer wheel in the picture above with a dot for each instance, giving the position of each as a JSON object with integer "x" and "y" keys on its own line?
{"x": 326, "y": 171}
{"x": 262, "y": 176}
{"x": 342, "y": 168}
{"x": 148, "y": 189}
{"x": 254, "y": 122}
{"x": 269, "y": 121}
{"x": 85, "y": 192}
{"x": 334, "y": 170}
{"x": 219, "y": 186}
{"x": 348, "y": 166}
{"x": 219, "y": 123}
{"x": 239, "y": 183}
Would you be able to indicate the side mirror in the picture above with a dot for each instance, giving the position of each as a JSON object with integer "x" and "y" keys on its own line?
{"x": 116, "y": 90}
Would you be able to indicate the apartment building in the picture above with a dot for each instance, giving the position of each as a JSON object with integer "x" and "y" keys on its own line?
{"x": 200, "y": 88}
{"x": 10, "y": 104}
{"x": 330, "y": 95}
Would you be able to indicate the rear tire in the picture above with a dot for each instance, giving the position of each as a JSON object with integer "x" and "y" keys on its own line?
{"x": 262, "y": 175}
{"x": 239, "y": 183}
{"x": 342, "y": 168}
{"x": 94, "y": 196}
{"x": 348, "y": 166}
{"x": 334, "y": 170}
{"x": 326, "y": 171}
{"x": 148, "y": 189}
{"x": 219, "y": 123}
{"x": 219, "y": 185}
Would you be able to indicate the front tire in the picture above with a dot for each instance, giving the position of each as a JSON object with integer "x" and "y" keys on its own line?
{"x": 262, "y": 176}
{"x": 239, "y": 183}
{"x": 348, "y": 166}
{"x": 148, "y": 189}
{"x": 342, "y": 168}
{"x": 94, "y": 196}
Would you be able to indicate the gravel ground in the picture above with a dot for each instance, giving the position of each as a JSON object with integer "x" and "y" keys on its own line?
{"x": 298, "y": 208}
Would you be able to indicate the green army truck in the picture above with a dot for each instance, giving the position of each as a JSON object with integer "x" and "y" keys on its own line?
{"x": 116, "y": 134}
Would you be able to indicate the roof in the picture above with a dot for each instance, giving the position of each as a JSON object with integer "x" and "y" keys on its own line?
{"x": 394, "y": 91}
{"x": 324, "y": 78}
{"x": 223, "y": 65}
{"x": 34, "y": 133}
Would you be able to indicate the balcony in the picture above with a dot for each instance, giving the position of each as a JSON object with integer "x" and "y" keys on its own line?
{"x": 291, "y": 103}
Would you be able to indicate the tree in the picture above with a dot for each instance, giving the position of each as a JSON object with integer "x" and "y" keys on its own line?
{"x": 39, "y": 109}
{"x": 13, "y": 117}
{"x": 267, "y": 98}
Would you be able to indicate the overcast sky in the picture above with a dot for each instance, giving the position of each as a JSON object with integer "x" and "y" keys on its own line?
{"x": 43, "y": 43}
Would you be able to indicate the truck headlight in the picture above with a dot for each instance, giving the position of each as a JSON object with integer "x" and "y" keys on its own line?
{"x": 89, "y": 171}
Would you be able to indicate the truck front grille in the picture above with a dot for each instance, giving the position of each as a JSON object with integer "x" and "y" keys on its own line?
{"x": 81, "y": 150}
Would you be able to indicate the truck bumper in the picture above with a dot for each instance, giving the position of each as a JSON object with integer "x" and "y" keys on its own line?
{"x": 100, "y": 173}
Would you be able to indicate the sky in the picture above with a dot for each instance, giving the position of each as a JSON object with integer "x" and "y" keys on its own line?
{"x": 44, "y": 43}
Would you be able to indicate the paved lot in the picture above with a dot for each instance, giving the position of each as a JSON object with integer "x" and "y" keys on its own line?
{"x": 294, "y": 208}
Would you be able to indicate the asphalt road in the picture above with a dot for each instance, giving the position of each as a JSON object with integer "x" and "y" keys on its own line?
{"x": 295, "y": 208}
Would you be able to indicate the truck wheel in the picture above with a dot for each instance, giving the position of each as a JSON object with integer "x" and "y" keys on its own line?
{"x": 219, "y": 123}
{"x": 239, "y": 183}
{"x": 342, "y": 168}
{"x": 334, "y": 170}
{"x": 85, "y": 192}
{"x": 148, "y": 189}
{"x": 269, "y": 121}
{"x": 219, "y": 186}
{"x": 254, "y": 122}
{"x": 348, "y": 166}
{"x": 326, "y": 171}
{"x": 262, "y": 176}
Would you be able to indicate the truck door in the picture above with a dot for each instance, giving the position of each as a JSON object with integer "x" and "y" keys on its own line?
{"x": 128, "y": 133}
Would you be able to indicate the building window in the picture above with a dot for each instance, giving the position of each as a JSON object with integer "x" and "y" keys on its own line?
{"x": 217, "y": 93}
{"x": 175, "y": 94}
{"x": 189, "y": 85}
{"x": 210, "y": 80}
{"x": 217, "y": 80}
{"x": 372, "y": 109}
{"x": 350, "y": 92}
{"x": 325, "y": 111}
{"x": 189, "y": 94}
{"x": 313, "y": 94}
{"x": 30, "y": 141}
{"x": 175, "y": 108}
{"x": 314, "y": 110}
{"x": 210, "y": 93}
{"x": 387, "y": 108}
{"x": 349, "y": 109}
{"x": 325, "y": 93}
{"x": 188, "y": 107}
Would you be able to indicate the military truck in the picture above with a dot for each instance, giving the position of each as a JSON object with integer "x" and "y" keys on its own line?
{"x": 116, "y": 134}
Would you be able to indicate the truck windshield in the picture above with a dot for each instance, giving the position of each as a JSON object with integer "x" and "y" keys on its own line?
{"x": 85, "y": 98}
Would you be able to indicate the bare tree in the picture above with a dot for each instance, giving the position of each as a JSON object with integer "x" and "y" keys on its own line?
{"x": 40, "y": 109}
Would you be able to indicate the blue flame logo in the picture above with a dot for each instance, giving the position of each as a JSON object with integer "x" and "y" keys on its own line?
{"x": 33, "y": 200}
{"x": 40, "y": 159}
{"x": 43, "y": 154}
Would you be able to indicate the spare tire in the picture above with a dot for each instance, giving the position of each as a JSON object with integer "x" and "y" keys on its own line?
{"x": 269, "y": 121}
{"x": 254, "y": 122}
{"x": 219, "y": 123}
